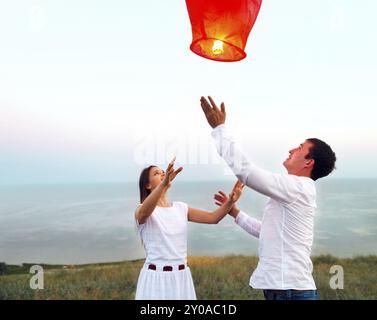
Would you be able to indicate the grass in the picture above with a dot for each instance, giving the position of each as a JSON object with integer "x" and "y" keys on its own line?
{"x": 214, "y": 278}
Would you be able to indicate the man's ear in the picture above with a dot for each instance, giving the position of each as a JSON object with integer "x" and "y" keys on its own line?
{"x": 309, "y": 163}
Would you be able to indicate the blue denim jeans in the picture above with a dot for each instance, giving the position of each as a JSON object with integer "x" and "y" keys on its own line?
{"x": 290, "y": 294}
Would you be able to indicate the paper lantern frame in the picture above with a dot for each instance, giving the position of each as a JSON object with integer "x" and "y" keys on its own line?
{"x": 220, "y": 28}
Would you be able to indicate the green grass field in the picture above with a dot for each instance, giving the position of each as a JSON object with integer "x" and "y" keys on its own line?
{"x": 214, "y": 278}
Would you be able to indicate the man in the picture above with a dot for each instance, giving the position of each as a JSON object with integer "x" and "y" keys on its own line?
{"x": 285, "y": 232}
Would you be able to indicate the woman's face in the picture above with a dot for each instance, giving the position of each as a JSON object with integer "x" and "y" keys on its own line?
{"x": 156, "y": 175}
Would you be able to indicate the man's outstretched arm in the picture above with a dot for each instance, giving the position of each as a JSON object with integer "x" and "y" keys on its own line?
{"x": 279, "y": 187}
{"x": 249, "y": 224}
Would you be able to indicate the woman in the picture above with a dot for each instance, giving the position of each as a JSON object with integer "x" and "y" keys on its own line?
{"x": 162, "y": 226}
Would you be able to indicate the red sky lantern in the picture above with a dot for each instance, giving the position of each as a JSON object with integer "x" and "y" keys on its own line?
{"x": 220, "y": 27}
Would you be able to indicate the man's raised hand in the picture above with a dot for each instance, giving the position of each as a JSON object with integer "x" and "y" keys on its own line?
{"x": 214, "y": 115}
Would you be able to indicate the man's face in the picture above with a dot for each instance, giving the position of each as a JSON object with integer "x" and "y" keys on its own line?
{"x": 296, "y": 160}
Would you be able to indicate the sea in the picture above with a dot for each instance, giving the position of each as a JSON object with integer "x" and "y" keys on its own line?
{"x": 90, "y": 223}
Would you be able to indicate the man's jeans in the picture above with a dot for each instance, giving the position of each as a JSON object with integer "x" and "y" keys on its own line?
{"x": 290, "y": 294}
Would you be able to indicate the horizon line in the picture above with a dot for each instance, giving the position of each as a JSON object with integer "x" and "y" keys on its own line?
{"x": 40, "y": 183}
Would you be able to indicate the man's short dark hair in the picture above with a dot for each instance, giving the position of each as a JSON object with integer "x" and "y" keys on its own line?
{"x": 323, "y": 156}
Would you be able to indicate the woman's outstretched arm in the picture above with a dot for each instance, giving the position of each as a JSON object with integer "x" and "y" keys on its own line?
{"x": 202, "y": 216}
{"x": 150, "y": 202}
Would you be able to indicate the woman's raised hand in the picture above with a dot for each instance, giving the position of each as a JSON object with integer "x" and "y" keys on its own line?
{"x": 170, "y": 174}
{"x": 236, "y": 192}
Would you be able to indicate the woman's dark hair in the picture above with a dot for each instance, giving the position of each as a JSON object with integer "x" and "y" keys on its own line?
{"x": 143, "y": 181}
{"x": 323, "y": 156}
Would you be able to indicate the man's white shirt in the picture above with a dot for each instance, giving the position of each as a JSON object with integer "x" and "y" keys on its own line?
{"x": 286, "y": 230}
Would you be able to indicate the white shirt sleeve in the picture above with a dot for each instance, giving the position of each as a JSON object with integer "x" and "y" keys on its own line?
{"x": 139, "y": 227}
{"x": 283, "y": 188}
{"x": 249, "y": 224}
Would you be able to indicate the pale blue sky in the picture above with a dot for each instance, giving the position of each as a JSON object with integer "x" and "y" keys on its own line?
{"x": 92, "y": 91}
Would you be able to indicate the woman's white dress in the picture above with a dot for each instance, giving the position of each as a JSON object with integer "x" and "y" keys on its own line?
{"x": 164, "y": 236}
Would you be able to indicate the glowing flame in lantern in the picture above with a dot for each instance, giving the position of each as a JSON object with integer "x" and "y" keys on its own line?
{"x": 217, "y": 47}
